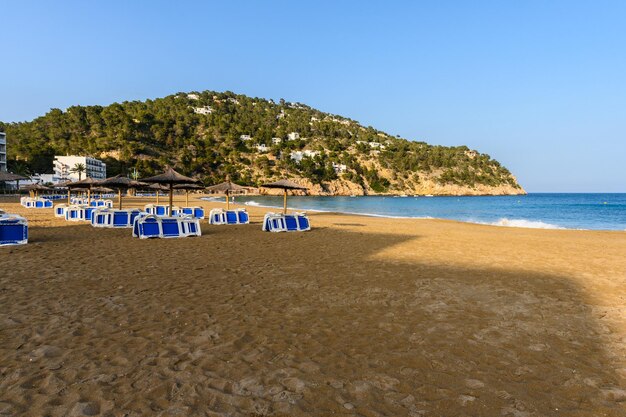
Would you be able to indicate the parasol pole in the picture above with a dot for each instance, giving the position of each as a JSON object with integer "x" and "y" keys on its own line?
{"x": 171, "y": 197}
{"x": 89, "y": 197}
{"x": 69, "y": 195}
{"x": 157, "y": 196}
{"x": 187, "y": 198}
{"x": 119, "y": 196}
{"x": 227, "y": 200}
{"x": 284, "y": 200}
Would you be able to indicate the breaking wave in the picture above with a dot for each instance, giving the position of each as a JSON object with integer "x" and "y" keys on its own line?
{"x": 530, "y": 224}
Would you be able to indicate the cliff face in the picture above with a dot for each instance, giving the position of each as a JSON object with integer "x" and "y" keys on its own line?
{"x": 347, "y": 188}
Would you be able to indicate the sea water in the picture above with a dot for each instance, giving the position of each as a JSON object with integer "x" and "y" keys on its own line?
{"x": 537, "y": 210}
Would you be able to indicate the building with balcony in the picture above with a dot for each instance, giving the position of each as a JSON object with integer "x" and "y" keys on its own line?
{"x": 3, "y": 152}
{"x": 64, "y": 167}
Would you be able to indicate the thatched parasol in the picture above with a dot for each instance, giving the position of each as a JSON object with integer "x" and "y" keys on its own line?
{"x": 35, "y": 188}
{"x": 226, "y": 187}
{"x": 120, "y": 183}
{"x": 158, "y": 188}
{"x": 171, "y": 178}
{"x": 285, "y": 185}
{"x": 188, "y": 187}
{"x": 64, "y": 185}
{"x": 10, "y": 177}
{"x": 85, "y": 184}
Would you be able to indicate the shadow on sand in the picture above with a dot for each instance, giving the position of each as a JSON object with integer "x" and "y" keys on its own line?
{"x": 240, "y": 322}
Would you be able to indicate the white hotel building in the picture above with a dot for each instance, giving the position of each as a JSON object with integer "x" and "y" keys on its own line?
{"x": 3, "y": 152}
{"x": 64, "y": 165}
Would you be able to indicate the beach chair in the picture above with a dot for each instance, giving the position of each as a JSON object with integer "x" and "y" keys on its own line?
{"x": 75, "y": 213}
{"x": 242, "y": 216}
{"x": 152, "y": 226}
{"x": 13, "y": 230}
{"x": 123, "y": 218}
{"x": 221, "y": 216}
{"x": 100, "y": 217}
{"x": 147, "y": 227}
{"x": 59, "y": 210}
{"x": 170, "y": 227}
{"x": 216, "y": 216}
{"x": 190, "y": 226}
{"x": 303, "y": 222}
{"x": 273, "y": 222}
{"x": 296, "y": 222}
{"x": 196, "y": 212}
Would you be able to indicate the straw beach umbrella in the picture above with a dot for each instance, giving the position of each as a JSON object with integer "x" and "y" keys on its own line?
{"x": 120, "y": 183}
{"x": 285, "y": 185}
{"x": 35, "y": 188}
{"x": 9, "y": 177}
{"x": 171, "y": 178}
{"x": 158, "y": 188}
{"x": 64, "y": 185}
{"x": 188, "y": 187}
{"x": 226, "y": 187}
{"x": 85, "y": 184}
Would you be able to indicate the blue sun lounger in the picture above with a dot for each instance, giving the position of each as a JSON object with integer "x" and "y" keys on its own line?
{"x": 75, "y": 213}
{"x": 296, "y": 222}
{"x": 152, "y": 226}
{"x": 13, "y": 230}
{"x": 36, "y": 202}
{"x": 112, "y": 218}
{"x": 237, "y": 216}
{"x": 160, "y": 209}
{"x": 196, "y": 212}
{"x": 59, "y": 210}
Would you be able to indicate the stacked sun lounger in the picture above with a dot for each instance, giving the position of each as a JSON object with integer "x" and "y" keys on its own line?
{"x": 295, "y": 222}
{"x": 38, "y": 202}
{"x": 153, "y": 226}
{"x": 101, "y": 203}
{"x": 112, "y": 218}
{"x": 13, "y": 229}
{"x": 221, "y": 216}
{"x": 196, "y": 212}
{"x": 76, "y": 212}
{"x": 161, "y": 209}
{"x": 59, "y": 210}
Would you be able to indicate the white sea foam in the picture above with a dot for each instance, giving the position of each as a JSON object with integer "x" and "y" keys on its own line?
{"x": 531, "y": 224}
{"x": 253, "y": 203}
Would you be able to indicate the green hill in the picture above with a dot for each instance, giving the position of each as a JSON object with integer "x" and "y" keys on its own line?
{"x": 214, "y": 135}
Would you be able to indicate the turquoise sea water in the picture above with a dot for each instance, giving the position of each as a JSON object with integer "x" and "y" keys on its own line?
{"x": 570, "y": 211}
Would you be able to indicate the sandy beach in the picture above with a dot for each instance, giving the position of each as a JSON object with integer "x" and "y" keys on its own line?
{"x": 360, "y": 316}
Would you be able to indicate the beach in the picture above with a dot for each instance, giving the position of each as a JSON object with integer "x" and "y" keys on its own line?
{"x": 361, "y": 316}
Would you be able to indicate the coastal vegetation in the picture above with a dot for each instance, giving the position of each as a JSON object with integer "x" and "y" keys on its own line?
{"x": 216, "y": 135}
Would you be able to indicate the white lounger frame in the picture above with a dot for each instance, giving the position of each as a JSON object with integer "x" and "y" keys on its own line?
{"x": 14, "y": 220}
{"x": 281, "y": 222}
{"x": 221, "y": 216}
{"x": 184, "y": 226}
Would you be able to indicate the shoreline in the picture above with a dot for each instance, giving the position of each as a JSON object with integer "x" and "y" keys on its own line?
{"x": 501, "y": 222}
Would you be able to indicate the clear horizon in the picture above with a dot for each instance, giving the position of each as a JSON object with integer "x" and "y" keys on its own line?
{"x": 540, "y": 87}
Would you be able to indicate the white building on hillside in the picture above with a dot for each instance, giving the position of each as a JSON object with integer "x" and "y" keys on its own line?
{"x": 245, "y": 138}
{"x": 203, "y": 110}
{"x": 339, "y": 168}
{"x": 293, "y": 136}
{"x": 64, "y": 167}
{"x": 262, "y": 148}
{"x": 3, "y": 151}
{"x": 298, "y": 155}
{"x": 276, "y": 141}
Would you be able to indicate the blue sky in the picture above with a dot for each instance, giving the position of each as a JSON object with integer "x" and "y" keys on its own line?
{"x": 538, "y": 85}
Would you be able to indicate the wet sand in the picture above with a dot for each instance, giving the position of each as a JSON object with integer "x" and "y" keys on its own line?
{"x": 361, "y": 316}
